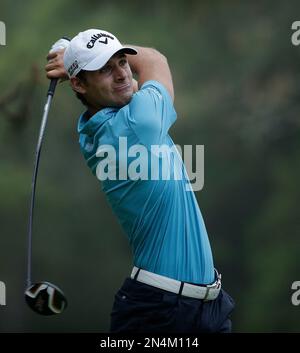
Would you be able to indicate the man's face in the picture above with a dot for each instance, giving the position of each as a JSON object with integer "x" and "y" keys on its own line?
{"x": 111, "y": 86}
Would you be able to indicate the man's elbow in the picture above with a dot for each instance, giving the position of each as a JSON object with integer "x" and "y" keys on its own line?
{"x": 154, "y": 54}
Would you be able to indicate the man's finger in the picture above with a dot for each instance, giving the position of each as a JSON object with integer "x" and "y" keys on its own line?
{"x": 54, "y": 74}
{"x": 51, "y": 66}
{"x": 51, "y": 55}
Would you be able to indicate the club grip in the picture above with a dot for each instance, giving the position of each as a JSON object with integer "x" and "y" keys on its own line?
{"x": 60, "y": 44}
{"x": 52, "y": 87}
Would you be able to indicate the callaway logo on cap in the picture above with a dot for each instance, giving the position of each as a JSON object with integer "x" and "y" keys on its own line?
{"x": 90, "y": 50}
{"x": 94, "y": 38}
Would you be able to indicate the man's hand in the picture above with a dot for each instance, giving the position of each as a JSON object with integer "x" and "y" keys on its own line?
{"x": 135, "y": 85}
{"x": 55, "y": 66}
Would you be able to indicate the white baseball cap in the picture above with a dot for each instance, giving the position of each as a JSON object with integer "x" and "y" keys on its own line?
{"x": 90, "y": 50}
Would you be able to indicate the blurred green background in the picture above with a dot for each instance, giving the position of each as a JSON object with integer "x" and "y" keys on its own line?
{"x": 236, "y": 77}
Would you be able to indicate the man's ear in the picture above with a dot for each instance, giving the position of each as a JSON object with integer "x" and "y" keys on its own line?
{"x": 77, "y": 85}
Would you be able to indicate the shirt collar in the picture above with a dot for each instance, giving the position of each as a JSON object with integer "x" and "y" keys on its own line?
{"x": 90, "y": 125}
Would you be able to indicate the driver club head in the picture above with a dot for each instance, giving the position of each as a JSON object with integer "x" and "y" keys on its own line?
{"x": 45, "y": 298}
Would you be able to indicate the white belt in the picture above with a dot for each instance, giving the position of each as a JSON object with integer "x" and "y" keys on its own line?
{"x": 205, "y": 292}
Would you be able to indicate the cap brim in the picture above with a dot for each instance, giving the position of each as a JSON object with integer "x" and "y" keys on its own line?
{"x": 98, "y": 63}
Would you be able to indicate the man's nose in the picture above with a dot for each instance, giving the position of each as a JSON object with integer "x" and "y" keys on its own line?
{"x": 120, "y": 73}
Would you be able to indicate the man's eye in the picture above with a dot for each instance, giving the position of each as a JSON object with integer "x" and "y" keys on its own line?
{"x": 123, "y": 62}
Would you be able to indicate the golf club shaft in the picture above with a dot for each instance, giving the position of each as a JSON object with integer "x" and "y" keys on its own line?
{"x": 50, "y": 94}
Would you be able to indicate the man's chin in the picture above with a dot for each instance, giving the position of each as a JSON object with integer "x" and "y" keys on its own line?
{"x": 124, "y": 101}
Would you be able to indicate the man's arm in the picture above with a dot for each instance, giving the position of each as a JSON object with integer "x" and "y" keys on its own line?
{"x": 150, "y": 64}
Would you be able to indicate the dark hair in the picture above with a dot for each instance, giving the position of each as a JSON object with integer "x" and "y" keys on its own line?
{"x": 82, "y": 77}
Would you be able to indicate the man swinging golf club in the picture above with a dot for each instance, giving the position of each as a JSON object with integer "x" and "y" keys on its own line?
{"x": 173, "y": 286}
{"x": 43, "y": 297}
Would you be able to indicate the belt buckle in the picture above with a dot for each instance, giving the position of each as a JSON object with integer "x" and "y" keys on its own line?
{"x": 215, "y": 285}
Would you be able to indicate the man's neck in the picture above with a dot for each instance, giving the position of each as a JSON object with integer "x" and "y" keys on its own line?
{"x": 92, "y": 111}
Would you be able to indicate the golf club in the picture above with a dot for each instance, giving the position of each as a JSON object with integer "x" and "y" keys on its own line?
{"x": 43, "y": 297}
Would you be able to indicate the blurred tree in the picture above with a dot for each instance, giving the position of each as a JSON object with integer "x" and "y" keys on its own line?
{"x": 15, "y": 105}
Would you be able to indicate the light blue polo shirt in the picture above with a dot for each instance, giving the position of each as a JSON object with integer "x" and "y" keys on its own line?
{"x": 158, "y": 213}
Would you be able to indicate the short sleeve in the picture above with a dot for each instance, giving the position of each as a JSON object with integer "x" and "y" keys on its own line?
{"x": 151, "y": 113}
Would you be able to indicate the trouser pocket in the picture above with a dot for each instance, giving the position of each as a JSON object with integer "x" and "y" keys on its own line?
{"x": 215, "y": 314}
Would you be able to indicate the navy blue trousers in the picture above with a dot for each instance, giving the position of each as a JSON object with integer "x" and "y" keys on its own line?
{"x": 140, "y": 308}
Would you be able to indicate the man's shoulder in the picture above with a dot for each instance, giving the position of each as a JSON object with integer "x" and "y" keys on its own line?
{"x": 155, "y": 87}
{"x": 151, "y": 92}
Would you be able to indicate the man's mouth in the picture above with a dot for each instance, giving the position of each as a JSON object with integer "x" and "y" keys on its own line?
{"x": 123, "y": 87}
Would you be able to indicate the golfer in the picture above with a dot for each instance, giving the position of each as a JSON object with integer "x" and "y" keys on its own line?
{"x": 173, "y": 286}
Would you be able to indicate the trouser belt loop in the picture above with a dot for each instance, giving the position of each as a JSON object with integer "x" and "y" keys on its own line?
{"x": 137, "y": 273}
{"x": 206, "y": 294}
{"x": 181, "y": 288}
